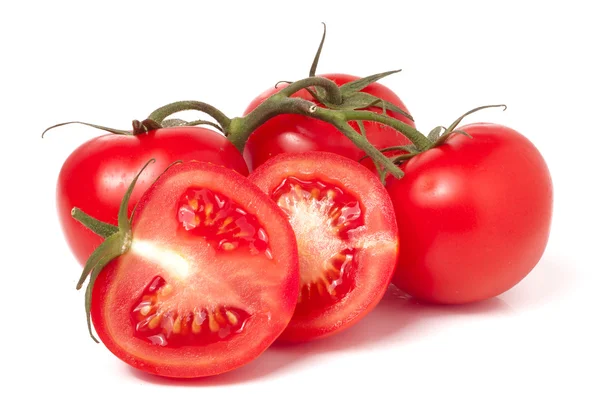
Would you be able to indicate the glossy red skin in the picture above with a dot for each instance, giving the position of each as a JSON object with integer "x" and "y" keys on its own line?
{"x": 474, "y": 216}
{"x": 120, "y": 284}
{"x": 96, "y": 175}
{"x": 290, "y": 133}
{"x": 376, "y": 264}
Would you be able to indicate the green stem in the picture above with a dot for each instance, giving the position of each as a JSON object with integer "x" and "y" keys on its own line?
{"x": 418, "y": 139}
{"x": 160, "y": 114}
{"x": 377, "y": 156}
{"x": 279, "y": 103}
{"x": 334, "y": 94}
{"x": 238, "y": 129}
{"x": 241, "y": 128}
{"x": 276, "y": 105}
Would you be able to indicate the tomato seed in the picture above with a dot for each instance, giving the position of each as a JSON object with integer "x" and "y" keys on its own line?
{"x": 322, "y": 216}
{"x": 163, "y": 326}
{"x": 222, "y": 222}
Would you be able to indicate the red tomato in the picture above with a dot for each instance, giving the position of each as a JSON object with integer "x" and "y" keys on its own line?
{"x": 346, "y": 233}
{"x": 297, "y": 133}
{"x": 210, "y": 280}
{"x": 473, "y": 215}
{"x": 96, "y": 175}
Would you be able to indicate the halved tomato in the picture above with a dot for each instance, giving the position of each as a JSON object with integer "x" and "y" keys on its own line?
{"x": 347, "y": 237}
{"x": 210, "y": 279}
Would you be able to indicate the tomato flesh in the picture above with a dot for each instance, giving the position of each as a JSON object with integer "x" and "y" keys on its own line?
{"x": 346, "y": 235}
{"x": 183, "y": 303}
{"x": 315, "y": 206}
{"x": 222, "y": 222}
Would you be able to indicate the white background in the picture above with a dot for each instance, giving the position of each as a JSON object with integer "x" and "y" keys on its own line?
{"x": 109, "y": 63}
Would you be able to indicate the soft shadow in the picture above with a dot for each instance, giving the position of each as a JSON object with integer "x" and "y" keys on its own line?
{"x": 264, "y": 365}
{"x": 549, "y": 280}
{"x": 396, "y": 318}
{"x": 396, "y": 315}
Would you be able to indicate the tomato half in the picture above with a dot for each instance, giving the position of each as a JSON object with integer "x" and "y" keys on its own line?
{"x": 474, "y": 215}
{"x": 297, "y": 133}
{"x": 210, "y": 279}
{"x": 346, "y": 233}
{"x": 96, "y": 175}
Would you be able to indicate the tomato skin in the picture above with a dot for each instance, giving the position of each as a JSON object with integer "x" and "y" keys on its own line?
{"x": 96, "y": 175}
{"x": 298, "y": 134}
{"x": 120, "y": 283}
{"x": 474, "y": 215}
{"x": 377, "y": 256}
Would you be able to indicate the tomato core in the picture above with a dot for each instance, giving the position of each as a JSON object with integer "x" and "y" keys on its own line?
{"x": 322, "y": 216}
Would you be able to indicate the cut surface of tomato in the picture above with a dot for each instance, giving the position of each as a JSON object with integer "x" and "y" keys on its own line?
{"x": 346, "y": 234}
{"x": 210, "y": 279}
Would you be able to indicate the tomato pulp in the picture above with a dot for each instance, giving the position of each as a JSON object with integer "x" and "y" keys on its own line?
{"x": 96, "y": 175}
{"x": 297, "y": 133}
{"x": 474, "y": 215}
{"x": 210, "y": 279}
{"x": 346, "y": 234}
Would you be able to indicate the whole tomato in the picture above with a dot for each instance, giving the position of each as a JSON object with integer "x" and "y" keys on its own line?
{"x": 298, "y": 134}
{"x": 473, "y": 215}
{"x": 95, "y": 176}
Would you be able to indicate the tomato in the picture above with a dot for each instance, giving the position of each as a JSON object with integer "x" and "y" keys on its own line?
{"x": 210, "y": 279}
{"x": 297, "y": 133}
{"x": 96, "y": 175}
{"x": 346, "y": 233}
{"x": 474, "y": 215}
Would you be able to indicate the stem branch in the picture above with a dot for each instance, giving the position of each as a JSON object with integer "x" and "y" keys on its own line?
{"x": 419, "y": 140}
{"x": 378, "y": 157}
{"x": 160, "y": 114}
{"x": 238, "y": 129}
{"x": 279, "y": 104}
{"x": 334, "y": 94}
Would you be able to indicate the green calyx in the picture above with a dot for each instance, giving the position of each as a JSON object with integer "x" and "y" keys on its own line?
{"x": 351, "y": 97}
{"x": 100, "y": 228}
{"x": 117, "y": 242}
{"x": 436, "y": 137}
{"x": 440, "y": 138}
